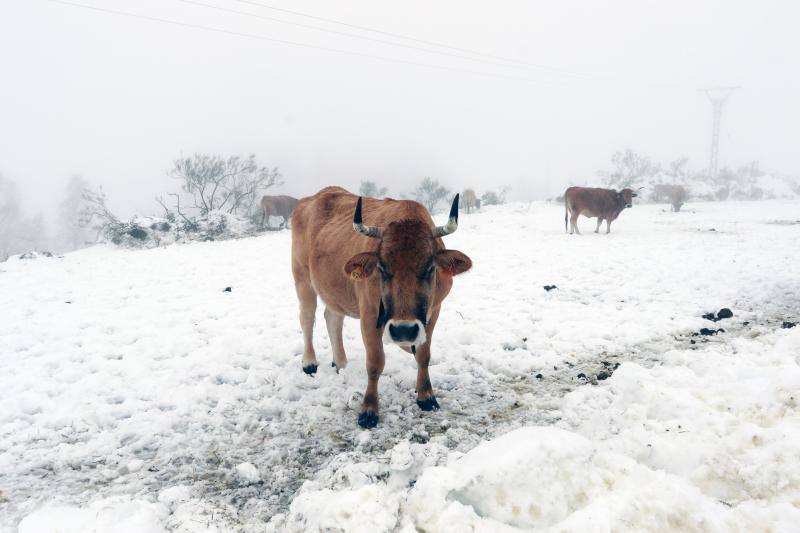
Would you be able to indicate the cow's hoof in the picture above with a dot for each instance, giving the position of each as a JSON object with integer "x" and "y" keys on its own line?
{"x": 310, "y": 369}
{"x": 428, "y": 404}
{"x": 367, "y": 419}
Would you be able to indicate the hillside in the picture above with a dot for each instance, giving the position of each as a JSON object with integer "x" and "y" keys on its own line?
{"x": 139, "y": 395}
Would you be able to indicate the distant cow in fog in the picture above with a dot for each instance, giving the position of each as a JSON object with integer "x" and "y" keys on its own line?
{"x": 676, "y": 195}
{"x": 605, "y": 204}
{"x": 277, "y": 206}
{"x": 469, "y": 201}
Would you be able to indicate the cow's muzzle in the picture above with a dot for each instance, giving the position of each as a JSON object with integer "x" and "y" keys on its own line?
{"x": 629, "y": 205}
{"x": 406, "y": 333}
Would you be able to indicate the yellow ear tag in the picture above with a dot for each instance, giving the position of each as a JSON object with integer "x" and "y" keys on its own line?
{"x": 355, "y": 275}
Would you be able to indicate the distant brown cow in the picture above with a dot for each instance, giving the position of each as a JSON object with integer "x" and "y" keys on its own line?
{"x": 336, "y": 256}
{"x": 605, "y": 204}
{"x": 469, "y": 201}
{"x": 676, "y": 195}
{"x": 277, "y": 206}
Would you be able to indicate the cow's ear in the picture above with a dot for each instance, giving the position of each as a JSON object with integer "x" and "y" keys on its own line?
{"x": 452, "y": 262}
{"x": 361, "y": 266}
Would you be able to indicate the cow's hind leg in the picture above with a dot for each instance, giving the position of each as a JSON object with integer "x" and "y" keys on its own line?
{"x": 425, "y": 398}
{"x": 608, "y": 226}
{"x": 307, "y": 298}
{"x": 335, "y": 323}
{"x": 599, "y": 221}
{"x": 573, "y": 220}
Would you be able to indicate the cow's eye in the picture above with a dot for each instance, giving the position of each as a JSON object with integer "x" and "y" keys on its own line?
{"x": 429, "y": 272}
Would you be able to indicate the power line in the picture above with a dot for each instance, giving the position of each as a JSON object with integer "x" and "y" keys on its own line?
{"x": 540, "y": 83}
{"x": 413, "y": 39}
{"x": 354, "y": 35}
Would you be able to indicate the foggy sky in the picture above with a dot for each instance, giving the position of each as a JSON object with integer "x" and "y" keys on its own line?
{"x": 116, "y": 99}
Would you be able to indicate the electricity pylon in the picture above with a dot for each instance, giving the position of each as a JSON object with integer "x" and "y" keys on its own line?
{"x": 717, "y": 96}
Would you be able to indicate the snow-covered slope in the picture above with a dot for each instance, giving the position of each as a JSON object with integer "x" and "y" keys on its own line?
{"x": 137, "y": 395}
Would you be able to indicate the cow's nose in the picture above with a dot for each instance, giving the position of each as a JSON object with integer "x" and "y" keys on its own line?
{"x": 629, "y": 205}
{"x": 404, "y": 331}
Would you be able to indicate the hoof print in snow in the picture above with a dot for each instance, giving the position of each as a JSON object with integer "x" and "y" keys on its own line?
{"x": 582, "y": 376}
{"x": 706, "y": 332}
{"x": 367, "y": 419}
{"x": 310, "y": 369}
{"x": 603, "y": 376}
{"x": 788, "y": 325}
{"x": 539, "y": 376}
{"x": 227, "y": 289}
{"x": 710, "y": 316}
{"x": 549, "y": 288}
{"x": 429, "y": 404}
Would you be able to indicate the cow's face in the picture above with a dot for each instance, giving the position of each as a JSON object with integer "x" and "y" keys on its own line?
{"x": 626, "y": 197}
{"x": 409, "y": 263}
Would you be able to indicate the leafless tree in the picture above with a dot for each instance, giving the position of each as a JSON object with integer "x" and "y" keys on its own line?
{"x": 370, "y": 189}
{"x": 430, "y": 192}
{"x": 71, "y": 233}
{"x": 628, "y": 168}
{"x": 233, "y": 185}
{"x": 95, "y": 213}
{"x": 678, "y": 169}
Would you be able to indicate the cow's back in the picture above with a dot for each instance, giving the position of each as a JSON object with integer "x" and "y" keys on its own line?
{"x": 280, "y": 206}
{"x": 590, "y": 201}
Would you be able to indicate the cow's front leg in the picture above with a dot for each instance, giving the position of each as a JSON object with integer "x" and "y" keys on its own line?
{"x": 599, "y": 221}
{"x": 307, "y": 298}
{"x": 368, "y": 417}
{"x": 608, "y": 226}
{"x": 425, "y": 398}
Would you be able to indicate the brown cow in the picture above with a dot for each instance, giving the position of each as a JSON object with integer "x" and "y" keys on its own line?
{"x": 676, "y": 195}
{"x": 605, "y": 204}
{"x": 401, "y": 304}
{"x": 469, "y": 201}
{"x": 277, "y": 206}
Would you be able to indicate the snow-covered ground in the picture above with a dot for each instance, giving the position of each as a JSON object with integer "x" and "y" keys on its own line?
{"x": 137, "y": 395}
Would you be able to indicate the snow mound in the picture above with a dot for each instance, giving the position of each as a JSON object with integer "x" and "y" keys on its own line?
{"x": 248, "y": 472}
{"x": 540, "y": 477}
{"x": 120, "y": 515}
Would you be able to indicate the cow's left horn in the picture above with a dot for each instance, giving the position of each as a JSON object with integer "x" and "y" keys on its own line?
{"x": 369, "y": 231}
{"x": 452, "y": 221}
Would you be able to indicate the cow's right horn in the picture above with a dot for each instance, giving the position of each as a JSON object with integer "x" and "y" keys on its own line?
{"x": 370, "y": 231}
{"x": 452, "y": 221}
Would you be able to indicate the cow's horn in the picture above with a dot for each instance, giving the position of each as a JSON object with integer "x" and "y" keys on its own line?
{"x": 369, "y": 231}
{"x": 452, "y": 221}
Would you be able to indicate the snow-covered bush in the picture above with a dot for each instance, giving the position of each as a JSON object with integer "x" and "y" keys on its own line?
{"x": 494, "y": 197}
{"x": 748, "y": 182}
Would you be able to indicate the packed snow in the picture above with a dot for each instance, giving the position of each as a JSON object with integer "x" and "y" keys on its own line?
{"x": 139, "y": 395}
